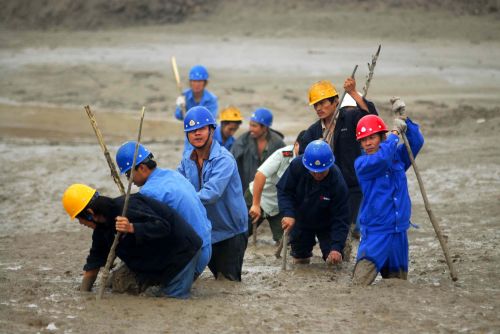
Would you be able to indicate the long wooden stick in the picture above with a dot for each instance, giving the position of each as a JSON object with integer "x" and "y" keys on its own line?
{"x": 112, "y": 251}
{"x": 371, "y": 68}
{"x": 333, "y": 121}
{"x": 178, "y": 82}
{"x": 433, "y": 219}
{"x": 111, "y": 164}
{"x": 285, "y": 249}
{"x": 254, "y": 233}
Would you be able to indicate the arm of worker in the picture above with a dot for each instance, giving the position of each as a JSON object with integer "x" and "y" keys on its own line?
{"x": 416, "y": 140}
{"x": 350, "y": 88}
{"x": 258, "y": 185}
{"x": 149, "y": 220}
{"x": 370, "y": 166}
{"x": 88, "y": 279}
{"x": 102, "y": 238}
{"x": 286, "y": 191}
{"x": 339, "y": 215}
{"x": 222, "y": 169}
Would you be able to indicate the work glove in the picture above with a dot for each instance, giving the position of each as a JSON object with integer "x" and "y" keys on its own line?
{"x": 180, "y": 101}
{"x": 399, "y": 107}
{"x": 399, "y": 125}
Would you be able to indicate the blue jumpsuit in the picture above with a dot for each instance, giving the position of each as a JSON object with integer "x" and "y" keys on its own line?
{"x": 386, "y": 210}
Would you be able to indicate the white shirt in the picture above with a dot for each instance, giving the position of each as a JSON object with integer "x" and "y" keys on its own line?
{"x": 273, "y": 168}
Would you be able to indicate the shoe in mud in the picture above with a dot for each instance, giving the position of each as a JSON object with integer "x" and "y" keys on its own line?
{"x": 301, "y": 261}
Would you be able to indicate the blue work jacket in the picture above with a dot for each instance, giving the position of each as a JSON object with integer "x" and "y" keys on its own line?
{"x": 220, "y": 191}
{"x": 218, "y": 136}
{"x": 208, "y": 100}
{"x": 386, "y": 204}
{"x": 171, "y": 188}
{"x": 315, "y": 205}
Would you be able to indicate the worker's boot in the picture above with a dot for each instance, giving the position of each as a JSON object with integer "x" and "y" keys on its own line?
{"x": 301, "y": 261}
{"x": 365, "y": 273}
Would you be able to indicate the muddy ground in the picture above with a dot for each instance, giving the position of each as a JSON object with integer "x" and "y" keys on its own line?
{"x": 443, "y": 65}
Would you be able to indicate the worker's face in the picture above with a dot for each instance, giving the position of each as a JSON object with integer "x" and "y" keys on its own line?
{"x": 140, "y": 175}
{"x": 197, "y": 85}
{"x": 229, "y": 129}
{"x": 89, "y": 219}
{"x": 371, "y": 143}
{"x": 257, "y": 130}
{"x": 325, "y": 108}
{"x": 319, "y": 176}
{"x": 296, "y": 148}
{"x": 199, "y": 137}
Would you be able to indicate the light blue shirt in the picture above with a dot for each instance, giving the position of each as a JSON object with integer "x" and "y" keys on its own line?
{"x": 220, "y": 191}
{"x": 208, "y": 100}
{"x": 218, "y": 136}
{"x": 171, "y": 188}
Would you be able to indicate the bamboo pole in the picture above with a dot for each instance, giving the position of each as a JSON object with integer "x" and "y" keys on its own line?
{"x": 175, "y": 70}
{"x": 111, "y": 164}
{"x": 112, "y": 251}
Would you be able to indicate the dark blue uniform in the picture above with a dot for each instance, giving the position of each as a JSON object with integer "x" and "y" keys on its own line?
{"x": 320, "y": 209}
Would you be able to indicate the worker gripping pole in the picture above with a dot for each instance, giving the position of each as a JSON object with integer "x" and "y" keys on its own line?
{"x": 331, "y": 126}
{"x": 178, "y": 82}
{"x": 371, "y": 68}
{"x": 433, "y": 219}
{"x": 112, "y": 251}
{"x": 111, "y": 164}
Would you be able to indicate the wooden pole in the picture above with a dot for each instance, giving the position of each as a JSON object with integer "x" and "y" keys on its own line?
{"x": 285, "y": 249}
{"x": 112, "y": 251}
{"x": 111, "y": 164}
{"x": 371, "y": 68}
{"x": 178, "y": 82}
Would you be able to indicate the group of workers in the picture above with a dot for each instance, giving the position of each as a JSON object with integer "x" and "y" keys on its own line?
{"x": 201, "y": 214}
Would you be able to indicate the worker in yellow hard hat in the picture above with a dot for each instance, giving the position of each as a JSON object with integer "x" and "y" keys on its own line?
{"x": 230, "y": 121}
{"x": 158, "y": 247}
{"x": 340, "y": 131}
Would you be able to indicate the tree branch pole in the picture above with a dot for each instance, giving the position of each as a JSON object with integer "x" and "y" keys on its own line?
{"x": 112, "y": 251}
{"x": 333, "y": 121}
{"x": 111, "y": 164}
{"x": 433, "y": 219}
{"x": 178, "y": 82}
{"x": 254, "y": 233}
{"x": 285, "y": 249}
{"x": 371, "y": 68}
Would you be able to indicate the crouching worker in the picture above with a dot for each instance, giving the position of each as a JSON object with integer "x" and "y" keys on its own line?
{"x": 386, "y": 209}
{"x": 313, "y": 199}
{"x": 157, "y": 245}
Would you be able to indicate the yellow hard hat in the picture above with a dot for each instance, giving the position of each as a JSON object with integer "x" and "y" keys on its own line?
{"x": 321, "y": 90}
{"x": 231, "y": 114}
{"x": 76, "y": 198}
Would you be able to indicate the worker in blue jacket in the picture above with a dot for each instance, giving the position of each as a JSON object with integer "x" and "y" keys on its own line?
{"x": 313, "y": 199}
{"x": 213, "y": 172}
{"x": 386, "y": 209}
{"x": 197, "y": 94}
{"x": 171, "y": 188}
{"x": 157, "y": 245}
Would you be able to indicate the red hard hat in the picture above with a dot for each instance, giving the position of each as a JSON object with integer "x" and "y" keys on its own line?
{"x": 369, "y": 125}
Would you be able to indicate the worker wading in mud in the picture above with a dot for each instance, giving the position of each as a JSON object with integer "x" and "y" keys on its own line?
{"x": 171, "y": 188}
{"x": 157, "y": 245}
{"x": 262, "y": 196}
{"x": 342, "y": 134}
{"x": 313, "y": 200}
{"x": 212, "y": 171}
{"x": 386, "y": 209}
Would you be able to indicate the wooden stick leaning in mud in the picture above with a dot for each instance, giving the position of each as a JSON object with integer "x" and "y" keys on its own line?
{"x": 433, "y": 219}
{"x": 111, "y": 164}
{"x": 112, "y": 251}
{"x": 285, "y": 249}
{"x": 371, "y": 68}
{"x": 178, "y": 82}
{"x": 254, "y": 233}
{"x": 333, "y": 121}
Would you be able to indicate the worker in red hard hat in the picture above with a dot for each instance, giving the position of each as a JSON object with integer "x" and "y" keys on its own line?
{"x": 386, "y": 208}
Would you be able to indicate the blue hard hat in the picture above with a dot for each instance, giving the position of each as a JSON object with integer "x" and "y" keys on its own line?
{"x": 198, "y": 117}
{"x": 198, "y": 72}
{"x": 262, "y": 116}
{"x": 125, "y": 156}
{"x": 318, "y": 156}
